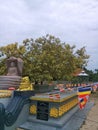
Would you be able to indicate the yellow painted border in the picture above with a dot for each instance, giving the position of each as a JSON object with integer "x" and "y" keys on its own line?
{"x": 5, "y": 93}
{"x": 53, "y": 100}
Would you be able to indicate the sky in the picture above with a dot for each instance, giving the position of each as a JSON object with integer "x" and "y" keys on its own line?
{"x": 73, "y": 21}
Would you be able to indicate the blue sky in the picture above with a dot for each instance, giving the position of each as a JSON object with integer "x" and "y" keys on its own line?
{"x": 73, "y": 21}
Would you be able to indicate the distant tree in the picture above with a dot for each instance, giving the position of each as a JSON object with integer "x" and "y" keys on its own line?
{"x": 96, "y": 71}
{"x": 93, "y": 75}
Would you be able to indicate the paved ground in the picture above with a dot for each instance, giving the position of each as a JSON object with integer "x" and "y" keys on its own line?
{"x": 91, "y": 122}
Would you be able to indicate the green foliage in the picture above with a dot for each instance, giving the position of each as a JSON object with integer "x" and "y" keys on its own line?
{"x": 82, "y": 57}
{"x": 2, "y": 67}
{"x": 46, "y": 58}
{"x": 93, "y": 76}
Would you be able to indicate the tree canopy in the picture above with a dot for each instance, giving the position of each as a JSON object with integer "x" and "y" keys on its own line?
{"x": 45, "y": 58}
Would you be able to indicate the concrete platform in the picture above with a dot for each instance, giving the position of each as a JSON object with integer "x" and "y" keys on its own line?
{"x": 72, "y": 120}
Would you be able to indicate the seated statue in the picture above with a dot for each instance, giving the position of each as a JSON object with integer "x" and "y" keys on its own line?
{"x": 25, "y": 84}
{"x": 14, "y": 66}
{"x": 12, "y": 70}
{"x": 12, "y": 78}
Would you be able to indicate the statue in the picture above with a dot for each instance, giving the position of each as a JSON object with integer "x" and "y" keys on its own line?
{"x": 12, "y": 70}
{"x": 25, "y": 84}
{"x": 14, "y": 74}
{"x": 14, "y": 66}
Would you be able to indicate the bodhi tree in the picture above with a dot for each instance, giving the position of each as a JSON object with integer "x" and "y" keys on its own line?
{"x": 47, "y": 58}
{"x": 50, "y": 59}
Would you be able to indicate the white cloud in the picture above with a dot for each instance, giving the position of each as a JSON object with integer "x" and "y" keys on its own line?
{"x": 74, "y": 21}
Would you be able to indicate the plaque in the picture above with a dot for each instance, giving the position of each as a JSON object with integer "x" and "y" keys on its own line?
{"x": 42, "y": 110}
